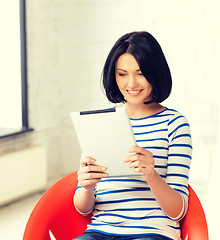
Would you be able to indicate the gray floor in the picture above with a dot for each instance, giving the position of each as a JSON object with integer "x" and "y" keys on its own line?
{"x": 13, "y": 217}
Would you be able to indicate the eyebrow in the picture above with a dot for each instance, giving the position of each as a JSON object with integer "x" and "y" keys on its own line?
{"x": 126, "y": 70}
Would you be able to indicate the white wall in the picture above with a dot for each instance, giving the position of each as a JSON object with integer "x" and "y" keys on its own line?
{"x": 68, "y": 42}
{"x": 28, "y": 173}
{"x": 187, "y": 31}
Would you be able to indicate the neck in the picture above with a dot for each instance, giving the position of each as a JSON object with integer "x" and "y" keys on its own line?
{"x": 144, "y": 110}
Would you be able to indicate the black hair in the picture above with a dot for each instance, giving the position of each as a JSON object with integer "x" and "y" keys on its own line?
{"x": 151, "y": 60}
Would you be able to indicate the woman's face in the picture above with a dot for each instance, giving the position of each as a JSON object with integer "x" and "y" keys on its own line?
{"x": 133, "y": 85}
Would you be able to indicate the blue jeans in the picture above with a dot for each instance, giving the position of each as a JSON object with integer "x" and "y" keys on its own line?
{"x": 101, "y": 236}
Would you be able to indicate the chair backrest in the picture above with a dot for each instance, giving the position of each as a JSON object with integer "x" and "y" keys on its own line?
{"x": 194, "y": 224}
{"x": 55, "y": 211}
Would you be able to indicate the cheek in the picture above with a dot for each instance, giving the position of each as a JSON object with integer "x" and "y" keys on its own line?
{"x": 149, "y": 87}
{"x": 119, "y": 83}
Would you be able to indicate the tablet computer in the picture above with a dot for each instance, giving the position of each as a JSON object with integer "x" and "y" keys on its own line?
{"x": 106, "y": 135}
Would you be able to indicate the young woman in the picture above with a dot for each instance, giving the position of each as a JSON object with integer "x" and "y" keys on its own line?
{"x": 149, "y": 206}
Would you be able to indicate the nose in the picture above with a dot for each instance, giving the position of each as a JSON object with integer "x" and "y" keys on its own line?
{"x": 132, "y": 82}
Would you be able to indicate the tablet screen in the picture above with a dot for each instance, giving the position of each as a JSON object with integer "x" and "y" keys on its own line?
{"x": 106, "y": 135}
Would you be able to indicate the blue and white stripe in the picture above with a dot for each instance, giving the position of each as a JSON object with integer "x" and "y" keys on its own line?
{"x": 126, "y": 205}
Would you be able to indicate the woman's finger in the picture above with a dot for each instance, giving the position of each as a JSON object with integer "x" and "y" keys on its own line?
{"x": 91, "y": 168}
{"x": 88, "y": 178}
{"x": 95, "y": 175}
{"x": 134, "y": 157}
{"x": 137, "y": 164}
{"x": 95, "y": 168}
{"x": 86, "y": 160}
{"x": 137, "y": 149}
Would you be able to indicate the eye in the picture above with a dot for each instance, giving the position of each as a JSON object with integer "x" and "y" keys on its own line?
{"x": 140, "y": 74}
{"x": 121, "y": 74}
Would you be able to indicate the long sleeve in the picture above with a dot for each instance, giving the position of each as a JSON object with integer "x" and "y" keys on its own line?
{"x": 179, "y": 158}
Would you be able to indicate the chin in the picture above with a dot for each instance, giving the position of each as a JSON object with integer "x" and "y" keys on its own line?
{"x": 132, "y": 102}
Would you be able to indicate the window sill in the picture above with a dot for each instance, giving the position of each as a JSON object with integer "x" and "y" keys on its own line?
{"x": 4, "y": 132}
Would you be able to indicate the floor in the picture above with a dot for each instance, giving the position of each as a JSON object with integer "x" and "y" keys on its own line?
{"x": 13, "y": 217}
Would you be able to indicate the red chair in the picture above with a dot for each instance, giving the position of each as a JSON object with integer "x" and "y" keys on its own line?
{"x": 194, "y": 224}
{"x": 55, "y": 212}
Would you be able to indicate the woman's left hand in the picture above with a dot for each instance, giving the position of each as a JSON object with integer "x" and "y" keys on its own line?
{"x": 141, "y": 161}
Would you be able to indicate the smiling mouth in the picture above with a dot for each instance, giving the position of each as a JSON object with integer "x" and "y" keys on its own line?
{"x": 134, "y": 93}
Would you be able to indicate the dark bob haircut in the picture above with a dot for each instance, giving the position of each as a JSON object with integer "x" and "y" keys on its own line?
{"x": 151, "y": 60}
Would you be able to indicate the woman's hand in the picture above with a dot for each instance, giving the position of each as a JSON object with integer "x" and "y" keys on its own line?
{"x": 170, "y": 201}
{"x": 89, "y": 173}
{"x": 141, "y": 161}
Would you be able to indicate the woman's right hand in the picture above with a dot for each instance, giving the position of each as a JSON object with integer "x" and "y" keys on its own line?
{"x": 90, "y": 174}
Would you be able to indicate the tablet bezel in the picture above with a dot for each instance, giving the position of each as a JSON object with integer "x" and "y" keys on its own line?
{"x": 109, "y": 124}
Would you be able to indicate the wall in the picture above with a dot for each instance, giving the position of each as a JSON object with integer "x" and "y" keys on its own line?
{"x": 27, "y": 175}
{"x": 187, "y": 33}
{"x": 67, "y": 43}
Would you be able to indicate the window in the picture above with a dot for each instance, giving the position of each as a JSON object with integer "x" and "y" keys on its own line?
{"x": 13, "y": 74}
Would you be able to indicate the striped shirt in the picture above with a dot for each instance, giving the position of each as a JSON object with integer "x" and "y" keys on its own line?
{"x": 126, "y": 205}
